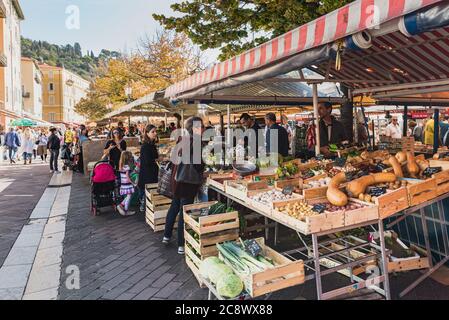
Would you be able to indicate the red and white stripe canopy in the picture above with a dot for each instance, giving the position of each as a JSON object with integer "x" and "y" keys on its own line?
{"x": 350, "y": 19}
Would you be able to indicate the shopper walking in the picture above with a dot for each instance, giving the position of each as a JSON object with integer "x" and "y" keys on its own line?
{"x": 149, "y": 169}
{"x": 27, "y": 145}
{"x": 114, "y": 148}
{"x": 42, "y": 146}
{"x": 12, "y": 142}
{"x": 186, "y": 181}
{"x": 126, "y": 186}
{"x": 54, "y": 144}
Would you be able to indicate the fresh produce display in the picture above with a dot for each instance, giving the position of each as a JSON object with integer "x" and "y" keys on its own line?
{"x": 269, "y": 197}
{"x": 299, "y": 210}
{"x": 233, "y": 254}
{"x": 323, "y": 182}
{"x": 350, "y": 206}
{"x": 287, "y": 170}
{"x": 334, "y": 195}
{"x": 222, "y": 276}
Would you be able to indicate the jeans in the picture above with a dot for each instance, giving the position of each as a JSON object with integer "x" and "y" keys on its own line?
{"x": 12, "y": 153}
{"x": 54, "y": 155}
{"x": 176, "y": 210}
{"x": 26, "y": 156}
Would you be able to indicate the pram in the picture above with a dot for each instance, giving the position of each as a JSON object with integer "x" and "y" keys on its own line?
{"x": 103, "y": 189}
{"x": 67, "y": 157}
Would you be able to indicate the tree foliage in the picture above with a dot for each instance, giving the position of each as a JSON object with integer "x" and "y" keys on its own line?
{"x": 234, "y": 26}
{"x": 68, "y": 56}
{"x": 158, "y": 63}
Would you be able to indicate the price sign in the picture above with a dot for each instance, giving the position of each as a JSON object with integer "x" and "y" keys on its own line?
{"x": 340, "y": 162}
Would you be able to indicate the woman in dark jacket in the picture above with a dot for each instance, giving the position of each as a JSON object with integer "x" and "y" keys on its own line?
{"x": 149, "y": 169}
{"x": 185, "y": 193}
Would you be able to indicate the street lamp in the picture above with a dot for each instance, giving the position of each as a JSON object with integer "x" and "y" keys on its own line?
{"x": 128, "y": 93}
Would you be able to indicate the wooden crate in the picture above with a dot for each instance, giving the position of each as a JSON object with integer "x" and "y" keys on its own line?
{"x": 240, "y": 188}
{"x": 155, "y": 201}
{"x": 442, "y": 182}
{"x": 194, "y": 262}
{"x": 211, "y": 223}
{"x": 295, "y": 183}
{"x": 206, "y": 245}
{"x": 392, "y": 202}
{"x": 369, "y": 213}
{"x": 217, "y": 180}
{"x": 266, "y": 208}
{"x": 314, "y": 193}
{"x": 156, "y": 220}
{"x": 286, "y": 274}
{"x": 319, "y": 223}
{"x": 419, "y": 192}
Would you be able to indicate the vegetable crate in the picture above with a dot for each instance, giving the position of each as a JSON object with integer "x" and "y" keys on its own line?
{"x": 392, "y": 202}
{"x": 217, "y": 180}
{"x": 266, "y": 208}
{"x": 156, "y": 208}
{"x": 240, "y": 188}
{"x": 419, "y": 192}
{"x": 202, "y": 234}
{"x": 194, "y": 262}
{"x": 327, "y": 220}
{"x": 284, "y": 274}
{"x": 294, "y": 183}
{"x": 442, "y": 182}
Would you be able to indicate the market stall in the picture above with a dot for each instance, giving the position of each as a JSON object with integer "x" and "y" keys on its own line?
{"x": 388, "y": 53}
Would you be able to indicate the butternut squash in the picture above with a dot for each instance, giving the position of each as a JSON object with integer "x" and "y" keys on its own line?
{"x": 334, "y": 195}
{"x": 396, "y": 164}
{"x": 412, "y": 167}
{"x": 358, "y": 186}
{"x": 401, "y": 156}
{"x": 422, "y": 164}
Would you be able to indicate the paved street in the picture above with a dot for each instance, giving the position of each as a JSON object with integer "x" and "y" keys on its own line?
{"x": 21, "y": 187}
{"x": 115, "y": 257}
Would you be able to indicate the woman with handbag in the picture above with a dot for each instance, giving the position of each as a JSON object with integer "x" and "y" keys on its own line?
{"x": 187, "y": 179}
{"x": 149, "y": 169}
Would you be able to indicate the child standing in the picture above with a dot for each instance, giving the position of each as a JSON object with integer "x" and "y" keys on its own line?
{"x": 126, "y": 185}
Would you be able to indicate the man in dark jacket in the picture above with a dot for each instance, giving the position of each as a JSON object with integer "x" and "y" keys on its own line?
{"x": 281, "y": 145}
{"x": 54, "y": 144}
{"x": 252, "y": 130}
{"x": 331, "y": 130}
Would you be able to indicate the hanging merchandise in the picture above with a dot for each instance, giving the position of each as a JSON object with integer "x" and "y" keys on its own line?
{"x": 311, "y": 136}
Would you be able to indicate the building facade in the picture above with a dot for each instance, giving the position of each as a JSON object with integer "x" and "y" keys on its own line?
{"x": 62, "y": 90}
{"x": 11, "y": 16}
{"x": 31, "y": 89}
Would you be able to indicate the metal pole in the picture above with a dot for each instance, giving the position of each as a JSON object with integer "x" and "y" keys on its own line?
{"x": 166, "y": 121}
{"x": 436, "y": 130}
{"x": 228, "y": 136}
{"x": 405, "y": 118}
{"x": 426, "y": 236}
{"x": 384, "y": 261}
{"x": 316, "y": 116}
{"x": 374, "y": 135}
{"x": 316, "y": 260}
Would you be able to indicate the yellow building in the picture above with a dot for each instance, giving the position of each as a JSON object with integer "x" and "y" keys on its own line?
{"x": 62, "y": 90}
{"x": 11, "y": 16}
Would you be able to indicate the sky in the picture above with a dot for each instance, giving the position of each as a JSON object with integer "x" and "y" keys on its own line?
{"x": 102, "y": 24}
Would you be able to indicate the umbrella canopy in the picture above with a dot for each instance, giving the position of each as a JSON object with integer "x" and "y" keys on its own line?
{"x": 24, "y": 122}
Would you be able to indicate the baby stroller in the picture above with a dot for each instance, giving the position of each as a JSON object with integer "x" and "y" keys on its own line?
{"x": 103, "y": 192}
{"x": 67, "y": 157}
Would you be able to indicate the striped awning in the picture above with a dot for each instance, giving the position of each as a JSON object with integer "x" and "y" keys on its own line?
{"x": 350, "y": 19}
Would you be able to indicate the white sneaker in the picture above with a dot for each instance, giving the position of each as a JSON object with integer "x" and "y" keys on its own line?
{"x": 165, "y": 240}
{"x": 130, "y": 213}
{"x": 58, "y": 172}
{"x": 121, "y": 210}
{"x": 51, "y": 171}
{"x": 181, "y": 250}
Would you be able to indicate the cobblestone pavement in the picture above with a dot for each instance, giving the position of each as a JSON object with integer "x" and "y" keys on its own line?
{"x": 120, "y": 258}
{"x": 20, "y": 189}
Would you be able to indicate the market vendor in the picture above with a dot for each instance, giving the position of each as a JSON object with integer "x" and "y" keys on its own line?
{"x": 393, "y": 130}
{"x": 282, "y": 136}
{"x": 250, "y": 124}
{"x": 331, "y": 130}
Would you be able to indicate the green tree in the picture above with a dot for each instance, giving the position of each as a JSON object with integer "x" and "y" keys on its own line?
{"x": 234, "y": 26}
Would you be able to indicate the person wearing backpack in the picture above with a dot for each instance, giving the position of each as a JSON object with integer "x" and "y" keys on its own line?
{"x": 54, "y": 144}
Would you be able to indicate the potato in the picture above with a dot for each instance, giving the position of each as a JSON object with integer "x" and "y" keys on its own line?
{"x": 361, "y": 196}
{"x": 367, "y": 198}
